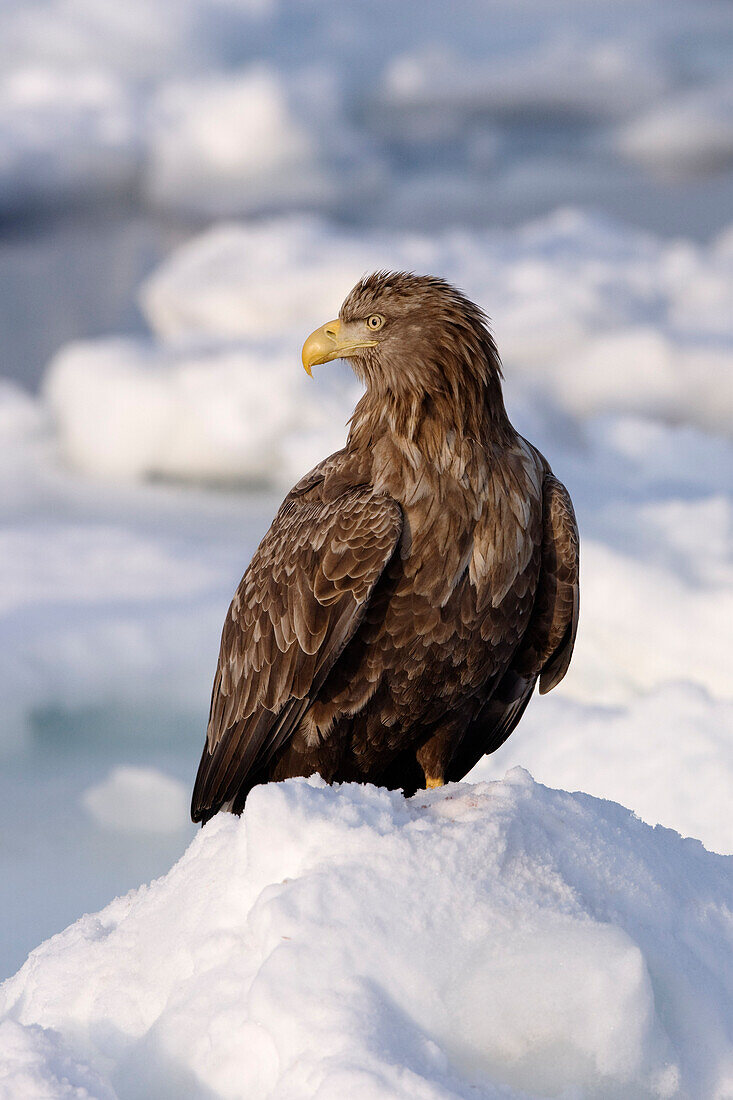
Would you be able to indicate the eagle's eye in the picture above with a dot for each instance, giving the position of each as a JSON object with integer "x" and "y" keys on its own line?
{"x": 375, "y": 321}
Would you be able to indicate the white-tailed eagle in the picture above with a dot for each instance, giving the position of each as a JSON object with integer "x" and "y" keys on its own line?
{"x": 414, "y": 587}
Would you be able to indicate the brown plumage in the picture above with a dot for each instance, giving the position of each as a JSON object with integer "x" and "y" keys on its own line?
{"x": 414, "y": 587}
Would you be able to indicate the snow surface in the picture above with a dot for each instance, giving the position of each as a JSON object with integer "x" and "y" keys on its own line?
{"x": 494, "y": 940}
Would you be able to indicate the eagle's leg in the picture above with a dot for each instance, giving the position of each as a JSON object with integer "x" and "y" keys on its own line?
{"x": 434, "y": 755}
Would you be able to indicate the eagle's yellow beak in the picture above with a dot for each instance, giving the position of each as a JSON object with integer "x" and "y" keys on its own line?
{"x": 334, "y": 340}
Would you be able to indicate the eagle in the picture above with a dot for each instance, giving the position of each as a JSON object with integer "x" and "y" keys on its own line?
{"x": 414, "y": 587}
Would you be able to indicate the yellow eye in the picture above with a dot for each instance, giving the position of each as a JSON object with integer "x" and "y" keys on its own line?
{"x": 375, "y": 322}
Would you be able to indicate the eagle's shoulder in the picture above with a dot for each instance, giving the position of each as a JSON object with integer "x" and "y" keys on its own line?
{"x": 342, "y": 472}
{"x": 311, "y": 482}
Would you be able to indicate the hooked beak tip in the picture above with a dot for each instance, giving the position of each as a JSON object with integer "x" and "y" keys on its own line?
{"x": 321, "y": 346}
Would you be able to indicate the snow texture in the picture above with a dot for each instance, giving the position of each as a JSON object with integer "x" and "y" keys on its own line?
{"x": 494, "y": 940}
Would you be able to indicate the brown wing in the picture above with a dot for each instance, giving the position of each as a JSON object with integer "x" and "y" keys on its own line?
{"x": 300, "y": 601}
{"x": 547, "y": 645}
{"x": 555, "y": 622}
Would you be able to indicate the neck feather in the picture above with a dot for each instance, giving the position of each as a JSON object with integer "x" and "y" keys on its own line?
{"x": 437, "y": 420}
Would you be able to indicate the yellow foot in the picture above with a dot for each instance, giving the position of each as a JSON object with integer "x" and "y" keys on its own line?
{"x": 431, "y": 782}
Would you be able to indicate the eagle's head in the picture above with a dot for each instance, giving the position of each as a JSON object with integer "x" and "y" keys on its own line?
{"x": 409, "y": 336}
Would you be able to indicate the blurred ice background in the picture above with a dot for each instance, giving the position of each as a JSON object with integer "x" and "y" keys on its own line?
{"x": 187, "y": 188}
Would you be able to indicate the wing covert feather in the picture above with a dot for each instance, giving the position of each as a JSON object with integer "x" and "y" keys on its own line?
{"x": 298, "y": 604}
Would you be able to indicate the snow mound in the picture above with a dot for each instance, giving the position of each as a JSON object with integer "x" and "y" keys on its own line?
{"x": 63, "y": 135}
{"x": 244, "y": 280}
{"x": 497, "y": 940}
{"x": 229, "y": 143}
{"x": 690, "y": 132}
{"x": 448, "y": 110}
{"x": 623, "y": 753}
{"x": 34, "y": 1064}
{"x": 568, "y": 73}
{"x": 138, "y": 800}
{"x": 130, "y": 410}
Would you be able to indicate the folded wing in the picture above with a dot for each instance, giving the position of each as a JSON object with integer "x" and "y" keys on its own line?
{"x": 547, "y": 645}
{"x": 299, "y": 603}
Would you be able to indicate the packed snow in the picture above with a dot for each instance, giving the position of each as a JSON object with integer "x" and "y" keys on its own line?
{"x": 497, "y": 940}
{"x": 657, "y": 754}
